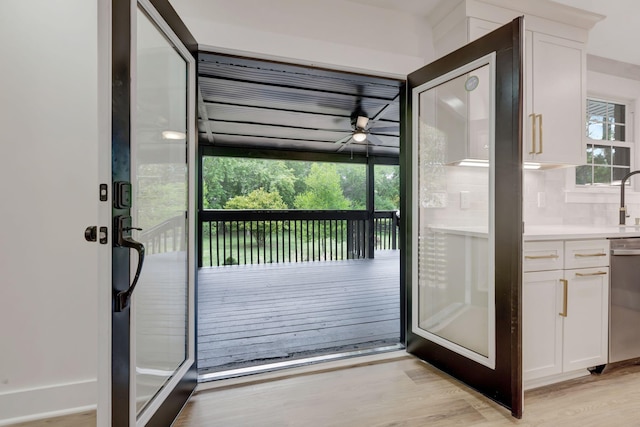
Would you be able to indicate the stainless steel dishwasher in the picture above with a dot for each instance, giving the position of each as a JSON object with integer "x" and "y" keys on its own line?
{"x": 624, "y": 311}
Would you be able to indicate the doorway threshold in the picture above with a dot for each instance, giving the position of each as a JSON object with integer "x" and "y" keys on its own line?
{"x": 206, "y": 381}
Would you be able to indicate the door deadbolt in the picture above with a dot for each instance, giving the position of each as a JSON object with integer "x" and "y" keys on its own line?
{"x": 93, "y": 234}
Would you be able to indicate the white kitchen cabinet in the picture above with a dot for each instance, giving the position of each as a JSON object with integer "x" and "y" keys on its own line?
{"x": 541, "y": 324}
{"x": 565, "y": 311}
{"x": 585, "y": 329}
{"x": 554, "y": 99}
{"x": 586, "y": 253}
{"x": 554, "y": 71}
{"x": 542, "y": 256}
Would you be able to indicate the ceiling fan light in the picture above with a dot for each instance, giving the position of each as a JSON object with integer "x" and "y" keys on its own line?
{"x": 172, "y": 134}
{"x": 359, "y": 136}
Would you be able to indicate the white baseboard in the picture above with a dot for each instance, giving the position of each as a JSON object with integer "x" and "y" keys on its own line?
{"x": 566, "y": 376}
{"x": 47, "y": 402}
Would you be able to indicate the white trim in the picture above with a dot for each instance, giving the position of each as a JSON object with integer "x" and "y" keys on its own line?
{"x": 298, "y": 61}
{"x": 45, "y": 402}
{"x": 553, "y": 379}
{"x": 606, "y": 194}
{"x": 105, "y": 295}
{"x": 490, "y": 359}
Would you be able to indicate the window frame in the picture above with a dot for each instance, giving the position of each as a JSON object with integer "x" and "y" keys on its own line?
{"x": 586, "y": 193}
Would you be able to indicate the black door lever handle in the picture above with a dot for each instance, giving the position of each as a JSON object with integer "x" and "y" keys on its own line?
{"x": 122, "y": 226}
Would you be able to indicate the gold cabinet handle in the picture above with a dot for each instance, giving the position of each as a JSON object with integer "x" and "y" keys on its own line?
{"x": 597, "y": 273}
{"x": 589, "y": 255}
{"x": 540, "y": 133}
{"x": 541, "y": 256}
{"x": 565, "y": 296}
{"x": 533, "y": 133}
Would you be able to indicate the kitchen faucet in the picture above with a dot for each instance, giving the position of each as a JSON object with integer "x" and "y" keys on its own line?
{"x": 623, "y": 209}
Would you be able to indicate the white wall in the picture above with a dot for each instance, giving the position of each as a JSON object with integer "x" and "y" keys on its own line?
{"x": 567, "y": 205}
{"x": 333, "y": 33}
{"x": 48, "y": 188}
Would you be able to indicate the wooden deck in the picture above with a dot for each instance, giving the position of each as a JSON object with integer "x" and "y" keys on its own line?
{"x": 254, "y": 314}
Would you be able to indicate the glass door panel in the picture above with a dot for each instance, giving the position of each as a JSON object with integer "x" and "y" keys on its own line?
{"x": 455, "y": 285}
{"x": 160, "y": 184}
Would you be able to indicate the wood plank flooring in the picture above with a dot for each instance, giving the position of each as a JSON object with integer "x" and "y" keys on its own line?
{"x": 407, "y": 392}
{"x": 401, "y": 393}
{"x": 252, "y": 314}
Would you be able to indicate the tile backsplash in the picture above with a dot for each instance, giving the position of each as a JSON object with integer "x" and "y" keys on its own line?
{"x": 545, "y": 202}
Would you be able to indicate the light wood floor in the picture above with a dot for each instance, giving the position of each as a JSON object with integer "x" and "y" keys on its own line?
{"x": 406, "y": 392}
{"x": 403, "y": 393}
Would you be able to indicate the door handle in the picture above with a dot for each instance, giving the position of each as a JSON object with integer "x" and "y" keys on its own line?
{"x": 123, "y": 238}
{"x": 541, "y": 256}
{"x": 540, "y": 133}
{"x": 565, "y": 295}
{"x": 597, "y": 273}
{"x": 533, "y": 133}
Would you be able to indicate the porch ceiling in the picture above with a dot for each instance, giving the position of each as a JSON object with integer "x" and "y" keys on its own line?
{"x": 247, "y": 103}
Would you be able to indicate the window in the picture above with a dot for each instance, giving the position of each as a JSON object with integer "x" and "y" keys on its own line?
{"x": 609, "y": 152}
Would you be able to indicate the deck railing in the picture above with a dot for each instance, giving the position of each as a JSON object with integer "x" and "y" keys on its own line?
{"x": 272, "y": 236}
{"x": 167, "y": 236}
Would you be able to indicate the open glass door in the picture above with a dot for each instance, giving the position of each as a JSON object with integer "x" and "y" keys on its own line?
{"x": 464, "y": 232}
{"x": 153, "y": 269}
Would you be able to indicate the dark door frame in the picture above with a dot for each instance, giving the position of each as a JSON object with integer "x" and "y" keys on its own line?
{"x": 121, "y": 20}
{"x": 504, "y": 385}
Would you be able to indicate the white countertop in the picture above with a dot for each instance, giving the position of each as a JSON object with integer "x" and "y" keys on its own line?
{"x": 553, "y": 232}
{"x": 563, "y": 232}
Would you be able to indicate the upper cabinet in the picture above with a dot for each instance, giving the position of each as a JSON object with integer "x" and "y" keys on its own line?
{"x": 554, "y": 72}
{"x": 555, "y": 96}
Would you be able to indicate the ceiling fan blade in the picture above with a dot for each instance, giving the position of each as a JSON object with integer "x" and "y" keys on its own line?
{"x": 345, "y": 139}
{"x": 361, "y": 122}
{"x": 384, "y": 129}
{"x": 386, "y": 107}
{"x": 343, "y": 146}
{"x": 374, "y": 140}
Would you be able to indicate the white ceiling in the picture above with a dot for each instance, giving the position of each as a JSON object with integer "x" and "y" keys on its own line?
{"x": 414, "y": 7}
{"x": 615, "y": 37}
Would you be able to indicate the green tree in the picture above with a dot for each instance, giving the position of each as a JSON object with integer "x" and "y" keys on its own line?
{"x": 387, "y": 188}
{"x": 323, "y": 190}
{"x": 258, "y": 199}
{"x": 228, "y": 177}
{"x": 353, "y": 180}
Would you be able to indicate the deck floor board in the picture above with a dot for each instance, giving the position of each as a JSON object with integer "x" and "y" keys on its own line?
{"x": 272, "y": 312}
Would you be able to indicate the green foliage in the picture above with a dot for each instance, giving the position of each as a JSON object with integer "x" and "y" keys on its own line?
{"x": 257, "y": 199}
{"x": 353, "y": 180}
{"x": 387, "y": 188}
{"x": 300, "y": 184}
{"x": 323, "y": 190}
{"x": 228, "y": 177}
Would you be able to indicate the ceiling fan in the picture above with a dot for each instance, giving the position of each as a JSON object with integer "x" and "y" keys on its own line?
{"x": 363, "y": 127}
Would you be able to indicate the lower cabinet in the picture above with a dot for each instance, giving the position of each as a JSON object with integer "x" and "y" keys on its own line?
{"x": 565, "y": 319}
{"x": 586, "y": 325}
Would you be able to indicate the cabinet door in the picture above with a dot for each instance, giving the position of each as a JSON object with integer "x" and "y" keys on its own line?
{"x": 541, "y": 324}
{"x": 555, "y": 93}
{"x": 586, "y": 325}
